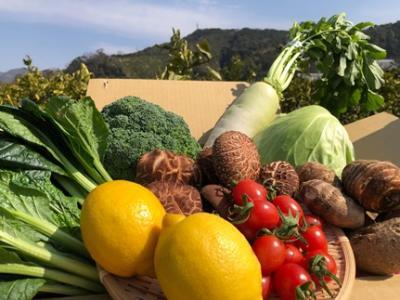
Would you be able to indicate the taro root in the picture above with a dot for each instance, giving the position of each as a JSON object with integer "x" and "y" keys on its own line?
{"x": 219, "y": 197}
{"x": 166, "y": 166}
{"x": 206, "y": 166}
{"x": 281, "y": 176}
{"x": 235, "y": 158}
{"x": 316, "y": 170}
{"x": 176, "y": 197}
{"x": 375, "y": 184}
{"x": 328, "y": 202}
{"x": 376, "y": 247}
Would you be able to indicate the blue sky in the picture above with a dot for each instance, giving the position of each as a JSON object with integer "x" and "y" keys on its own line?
{"x": 53, "y": 32}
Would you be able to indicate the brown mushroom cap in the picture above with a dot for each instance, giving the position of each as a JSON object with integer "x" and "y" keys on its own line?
{"x": 281, "y": 176}
{"x": 176, "y": 197}
{"x": 166, "y": 166}
{"x": 235, "y": 158}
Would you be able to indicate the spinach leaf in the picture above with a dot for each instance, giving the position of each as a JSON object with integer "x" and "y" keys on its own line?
{"x": 85, "y": 130}
{"x": 33, "y": 193}
{"x": 37, "y": 131}
{"x": 21, "y": 289}
{"x": 15, "y": 155}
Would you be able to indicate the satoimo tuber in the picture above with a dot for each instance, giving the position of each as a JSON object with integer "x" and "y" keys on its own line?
{"x": 235, "y": 158}
{"x": 376, "y": 247}
{"x": 316, "y": 170}
{"x": 375, "y": 184}
{"x": 281, "y": 176}
{"x": 166, "y": 166}
{"x": 327, "y": 201}
{"x": 176, "y": 197}
{"x": 219, "y": 197}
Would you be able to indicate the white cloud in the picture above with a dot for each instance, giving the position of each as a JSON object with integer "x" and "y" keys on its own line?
{"x": 138, "y": 18}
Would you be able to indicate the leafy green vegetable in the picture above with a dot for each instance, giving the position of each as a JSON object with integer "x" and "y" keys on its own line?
{"x": 84, "y": 128}
{"x": 21, "y": 289}
{"x": 310, "y": 133}
{"x": 72, "y": 132}
{"x": 32, "y": 193}
{"x": 16, "y": 155}
{"x": 35, "y": 131}
{"x": 347, "y": 61}
{"x": 11, "y": 263}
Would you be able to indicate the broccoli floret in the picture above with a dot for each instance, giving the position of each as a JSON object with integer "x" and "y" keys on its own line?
{"x": 136, "y": 127}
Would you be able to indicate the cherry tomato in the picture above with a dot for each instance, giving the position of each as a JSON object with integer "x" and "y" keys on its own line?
{"x": 249, "y": 233}
{"x": 263, "y": 215}
{"x": 288, "y": 205}
{"x": 270, "y": 252}
{"x": 293, "y": 254}
{"x": 324, "y": 266}
{"x": 313, "y": 220}
{"x": 290, "y": 277}
{"x": 250, "y": 189}
{"x": 266, "y": 287}
{"x": 315, "y": 238}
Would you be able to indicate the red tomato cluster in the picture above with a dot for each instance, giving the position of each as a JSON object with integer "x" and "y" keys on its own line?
{"x": 291, "y": 247}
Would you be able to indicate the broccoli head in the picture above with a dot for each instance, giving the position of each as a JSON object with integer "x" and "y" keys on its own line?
{"x": 136, "y": 127}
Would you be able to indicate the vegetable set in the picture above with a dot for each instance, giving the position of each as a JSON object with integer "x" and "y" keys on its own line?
{"x": 245, "y": 216}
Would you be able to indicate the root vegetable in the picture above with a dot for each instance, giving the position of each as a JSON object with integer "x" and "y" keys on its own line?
{"x": 375, "y": 184}
{"x": 218, "y": 197}
{"x": 165, "y": 165}
{"x": 315, "y": 170}
{"x": 327, "y": 201}
{"x": 235, "y": 158}
{"x": 176, "y": 197}
{"x": 376, "y": 247}
{"x": 281, "y": 176}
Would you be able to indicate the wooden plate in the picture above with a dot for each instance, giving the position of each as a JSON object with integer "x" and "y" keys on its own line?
{"x": 144, "y": 288}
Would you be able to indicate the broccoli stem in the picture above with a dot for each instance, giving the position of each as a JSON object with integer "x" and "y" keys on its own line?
{"x": 46, "y": 273}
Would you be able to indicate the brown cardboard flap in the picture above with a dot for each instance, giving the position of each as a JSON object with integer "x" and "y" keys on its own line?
{"x": 200, "y": 103}
{"x": 376, "y": 137}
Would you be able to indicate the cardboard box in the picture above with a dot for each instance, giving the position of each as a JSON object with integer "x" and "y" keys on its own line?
{"x": 201, "y": 103}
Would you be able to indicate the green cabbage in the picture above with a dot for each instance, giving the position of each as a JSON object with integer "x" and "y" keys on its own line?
{"x": 307, "y": 134}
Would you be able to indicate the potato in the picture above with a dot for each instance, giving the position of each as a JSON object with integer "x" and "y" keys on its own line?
{"x": 376, "y": 247}
{"x": 328, "y": 202}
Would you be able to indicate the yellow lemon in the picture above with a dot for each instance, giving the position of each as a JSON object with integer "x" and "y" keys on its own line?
{"x": 204, "y": 257}
{"x": 120, "y": 223}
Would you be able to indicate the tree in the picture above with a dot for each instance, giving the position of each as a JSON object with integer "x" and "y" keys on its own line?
{"x": 183, "y": 61}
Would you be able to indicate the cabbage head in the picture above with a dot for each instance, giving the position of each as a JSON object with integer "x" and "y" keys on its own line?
{"x": 307, "y": 134}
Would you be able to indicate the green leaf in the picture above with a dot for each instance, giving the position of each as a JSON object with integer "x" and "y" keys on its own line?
{"x": 375, "y": 51}
{"x": 342, "y": 66}
{"x": 356, "y": 96}
{"x": 374, "y": 101}
{"x": 15, "y": 155}
{"x": 85, "y": 130}
{"x": 21, "y": 289}
{"x": 363, "y": 25}
{"x": 33, "y": 193}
